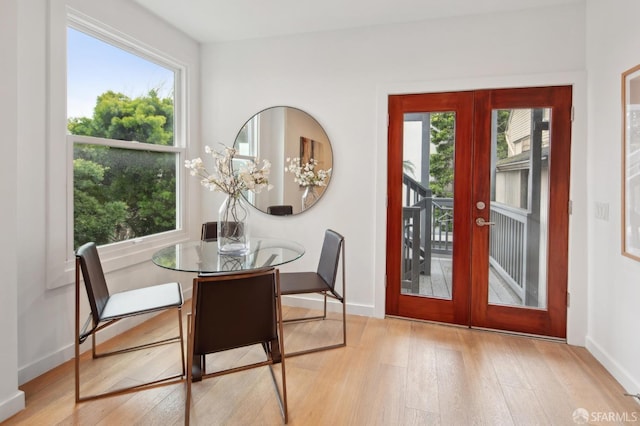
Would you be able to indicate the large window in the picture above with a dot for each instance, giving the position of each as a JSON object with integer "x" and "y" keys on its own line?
{"x": 117, "y": 135}
{"x": 121, "y": 133}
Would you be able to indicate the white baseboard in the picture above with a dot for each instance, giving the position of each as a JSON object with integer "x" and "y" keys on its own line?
{"x": 315, "y": 302}
{"x": 65, "y": 353}
{"x": 41, "y": 366}
{"x": 29, "y": 372}
{"x": 12, "y": 405}
{"x": 630, "y": 384}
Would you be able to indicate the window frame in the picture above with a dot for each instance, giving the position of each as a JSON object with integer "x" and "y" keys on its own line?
{"x": 60, "y": 214}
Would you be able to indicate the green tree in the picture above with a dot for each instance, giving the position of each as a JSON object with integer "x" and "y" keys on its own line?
{"x": 442, "y": 161}
{"x": 443, "y": 137}
{"x": 144, "y": 119}
{"x": 109, "y": 181}
{"x": 94, "y": 219}
{"x": 502, "y": 146}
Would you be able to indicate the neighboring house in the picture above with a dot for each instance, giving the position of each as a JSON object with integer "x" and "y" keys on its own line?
{"x": 513, "y": 205}
{"x": 512, "y": 173}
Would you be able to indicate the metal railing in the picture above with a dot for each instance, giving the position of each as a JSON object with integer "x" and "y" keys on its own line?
{"x": 507, "y": 245}
{"x": 428, "y": 229}
{"x": 412, "y": 255}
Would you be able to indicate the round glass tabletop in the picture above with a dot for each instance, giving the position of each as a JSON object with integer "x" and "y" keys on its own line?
{"x": 202, "y": 257}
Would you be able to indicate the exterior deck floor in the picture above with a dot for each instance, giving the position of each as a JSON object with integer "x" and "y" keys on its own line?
{"x": 439, "y": 284}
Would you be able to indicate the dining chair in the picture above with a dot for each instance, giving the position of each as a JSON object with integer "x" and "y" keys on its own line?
{"x": 107, "y": 309}
{"x": 209, "y": 231}
{"x": 284, "y": 210}
{"x": 322, "y": 281}
{"x": 234, "y": 311}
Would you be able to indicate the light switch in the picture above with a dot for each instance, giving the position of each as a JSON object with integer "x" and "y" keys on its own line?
{"x": 602, "y": 211}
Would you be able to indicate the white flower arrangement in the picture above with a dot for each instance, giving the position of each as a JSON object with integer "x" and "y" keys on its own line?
{"x": 307, "y": 175}
{"x": 223, "y": 178}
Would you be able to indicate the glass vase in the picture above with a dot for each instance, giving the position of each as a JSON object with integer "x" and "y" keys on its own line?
{"x": 309, "y": 196}
{"x": 233, "y": 226}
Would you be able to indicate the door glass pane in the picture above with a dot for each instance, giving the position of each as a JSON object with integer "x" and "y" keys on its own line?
{"x": 519, "y": 207}
{"x": 427, "y": 208}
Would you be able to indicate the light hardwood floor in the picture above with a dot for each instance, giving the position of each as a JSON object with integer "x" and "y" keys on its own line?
{"x": 392, "y": 372}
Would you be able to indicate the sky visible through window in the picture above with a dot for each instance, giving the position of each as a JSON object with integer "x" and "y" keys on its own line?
{"x": 94, "y": 67}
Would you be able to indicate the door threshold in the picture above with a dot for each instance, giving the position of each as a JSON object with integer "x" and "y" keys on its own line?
{"x": 491, "y": 330}
{"x": 520, "y": 334}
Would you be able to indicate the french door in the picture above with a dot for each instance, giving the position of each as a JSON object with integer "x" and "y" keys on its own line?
{"x": 478, "y": 205}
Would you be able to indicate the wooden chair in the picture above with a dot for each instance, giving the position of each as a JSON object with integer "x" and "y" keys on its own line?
{"x": 233, "y": 311}
{"x": 209, "y": 231}
{"x": 322, "y": 281}
{"x": 107, "y": 309}
{"x": 285, "y": 210}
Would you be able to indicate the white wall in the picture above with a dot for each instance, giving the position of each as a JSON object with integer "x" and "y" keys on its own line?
{"x": 613, "y": 46}
{"x": 344, "y": 83}
{"x": 343, "y": 79}
{"x": 11, "y": 399}
{"x": 45, "y": 318}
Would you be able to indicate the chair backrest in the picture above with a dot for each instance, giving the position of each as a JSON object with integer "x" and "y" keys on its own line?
{"x": 209, "y": 231}
{"x": 94, "y": 280}
{"x": 330, "y": 257}
{"x": 234, "y": 311}
{"x": 284, "y": 210}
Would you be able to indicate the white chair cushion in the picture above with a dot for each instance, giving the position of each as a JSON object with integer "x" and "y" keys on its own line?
{"x": 147, "y": 299}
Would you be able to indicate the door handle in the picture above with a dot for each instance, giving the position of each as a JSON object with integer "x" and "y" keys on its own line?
{"x": 481, "y": 222}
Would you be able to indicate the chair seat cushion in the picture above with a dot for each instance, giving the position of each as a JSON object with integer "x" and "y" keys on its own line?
{"x": 147, "y": 299}
{"x": 302, "y": 282}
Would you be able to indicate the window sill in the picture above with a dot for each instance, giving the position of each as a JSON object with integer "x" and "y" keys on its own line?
{"x": 121, "y": 255}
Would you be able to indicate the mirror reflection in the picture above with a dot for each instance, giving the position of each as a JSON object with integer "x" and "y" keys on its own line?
{"x": 300, "y": 154}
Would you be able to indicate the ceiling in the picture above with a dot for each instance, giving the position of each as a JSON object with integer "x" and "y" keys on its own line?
{"x": 225, "y": 20}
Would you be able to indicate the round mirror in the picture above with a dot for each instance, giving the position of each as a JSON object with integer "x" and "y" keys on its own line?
{"x": 300, "y": 154}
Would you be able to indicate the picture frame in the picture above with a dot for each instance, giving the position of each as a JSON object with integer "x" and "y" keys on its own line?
{"x": 307, "y": 148}
{"x": 631, "y": 163}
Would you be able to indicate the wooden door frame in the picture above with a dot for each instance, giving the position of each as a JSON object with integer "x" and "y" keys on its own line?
{"x": 557, "y": 266}
{"x": 431, "y": 309}
{"x": 509, "y": 317}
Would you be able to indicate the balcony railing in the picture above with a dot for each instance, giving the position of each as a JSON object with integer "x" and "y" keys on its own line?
{"x": 507, "y": 245}
{"x": 428, "y": 230}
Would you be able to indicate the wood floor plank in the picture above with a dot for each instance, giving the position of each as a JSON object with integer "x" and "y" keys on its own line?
{"x": 388, "y": 396}
{"x": 395, "y": 351}
{"x": 453, "y": 389}
{"x": 327, "y": 395}
{"x": 414, "y": 417}
{"x": 392, "y": 372}
{"x": 549, "y": 392}
{"x": 583, "y": 390}
{"x": 422, "y": 378}
{"x": 487, "y": 400}
{"x": 509, "y": 368}
{"x": 525, "y": 408}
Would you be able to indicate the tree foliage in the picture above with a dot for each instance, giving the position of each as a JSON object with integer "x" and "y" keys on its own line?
{"x": 442, "y": 161}
{"x": 144, "y": 119}
{"x": 503, "y": 121}
{"x": 124, "y": 193}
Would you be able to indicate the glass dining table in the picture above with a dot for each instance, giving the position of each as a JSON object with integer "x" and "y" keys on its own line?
{"x": 203, "y": 258}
